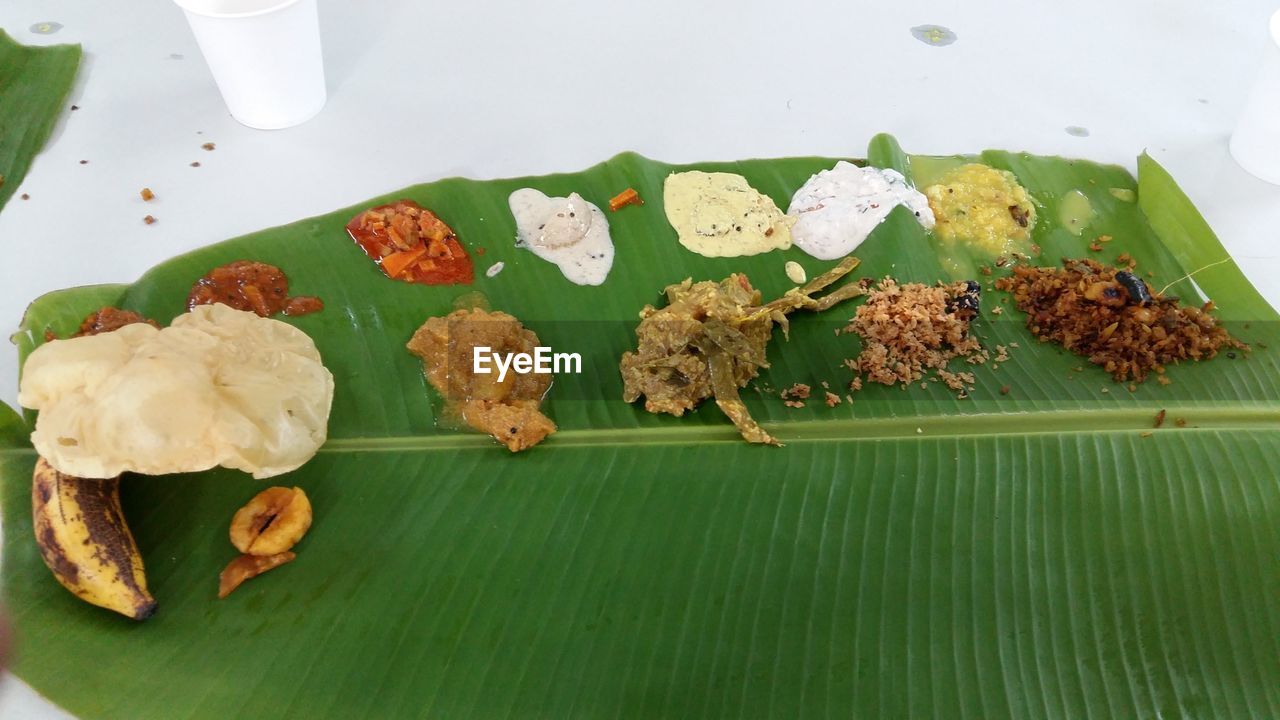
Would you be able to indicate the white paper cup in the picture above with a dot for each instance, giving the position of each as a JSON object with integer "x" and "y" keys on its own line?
{"x": 264, "y": 56}
{"x": 1256, "y": 142}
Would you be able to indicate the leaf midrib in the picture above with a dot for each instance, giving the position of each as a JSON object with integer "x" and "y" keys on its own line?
{"x": 847, "y": 430}
{"x": 1078, "y": 422}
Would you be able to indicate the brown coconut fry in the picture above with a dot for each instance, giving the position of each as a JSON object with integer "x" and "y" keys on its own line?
{"x": 711, "y": 340}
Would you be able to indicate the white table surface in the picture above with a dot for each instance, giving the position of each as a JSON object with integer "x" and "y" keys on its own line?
{"x": 419, "y": 91}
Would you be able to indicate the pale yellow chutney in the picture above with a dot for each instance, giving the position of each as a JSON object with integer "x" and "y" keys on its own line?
{"x": 721, "y": 215}
{"x": 982, "y": 206}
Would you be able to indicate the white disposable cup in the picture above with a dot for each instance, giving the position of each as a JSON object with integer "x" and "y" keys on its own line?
{"x": 1256, "y": 142}
{"x": 264, "y": 56}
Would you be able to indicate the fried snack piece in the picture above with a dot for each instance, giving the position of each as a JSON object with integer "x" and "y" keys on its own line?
{"x": 272, "y": 522}
{"x": 710, "y": 340}
{"x": 248, "y": 566}
{"x": 217, "y": 387}
{"x": 507, "y": 409}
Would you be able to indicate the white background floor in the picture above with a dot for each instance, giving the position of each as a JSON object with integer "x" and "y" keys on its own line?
{"x": 420, "y": 91}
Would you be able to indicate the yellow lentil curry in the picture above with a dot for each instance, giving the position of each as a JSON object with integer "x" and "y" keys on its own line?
{"x": 982, "y": 206}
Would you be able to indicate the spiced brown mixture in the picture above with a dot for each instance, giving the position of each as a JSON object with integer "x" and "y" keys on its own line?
{"x": 1112, "y": 317}
{"x": 252, "y": 286}
{"x": 109, "y": 319}
{"x": 509, "y": 409}
{"x": 102, "y": 321}
{"x": 909, "y": 330}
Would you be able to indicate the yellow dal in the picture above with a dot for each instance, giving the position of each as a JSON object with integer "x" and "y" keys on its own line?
{"x": 977, "y": 203}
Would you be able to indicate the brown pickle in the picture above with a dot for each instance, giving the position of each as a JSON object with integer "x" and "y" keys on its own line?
{"x": 253, "y": 287}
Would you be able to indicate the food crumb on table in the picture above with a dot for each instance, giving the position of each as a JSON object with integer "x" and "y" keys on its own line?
{"x": 208, "y": 146}
{"x": 150, "y": 220}
{"x": 146, "y": 194}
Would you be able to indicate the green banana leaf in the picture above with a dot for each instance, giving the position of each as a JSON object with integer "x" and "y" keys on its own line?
{"x": 34, "y": 84}
{"x": 13, "y": 432}
{"x": 1040, "y": 553}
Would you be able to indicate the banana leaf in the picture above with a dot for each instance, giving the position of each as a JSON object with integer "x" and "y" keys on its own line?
{"x": 34, "y": 84}
{"x": 1044, "y": 552}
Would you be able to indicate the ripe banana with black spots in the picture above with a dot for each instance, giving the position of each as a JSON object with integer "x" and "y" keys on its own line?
{"x": 84, "y": 540}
